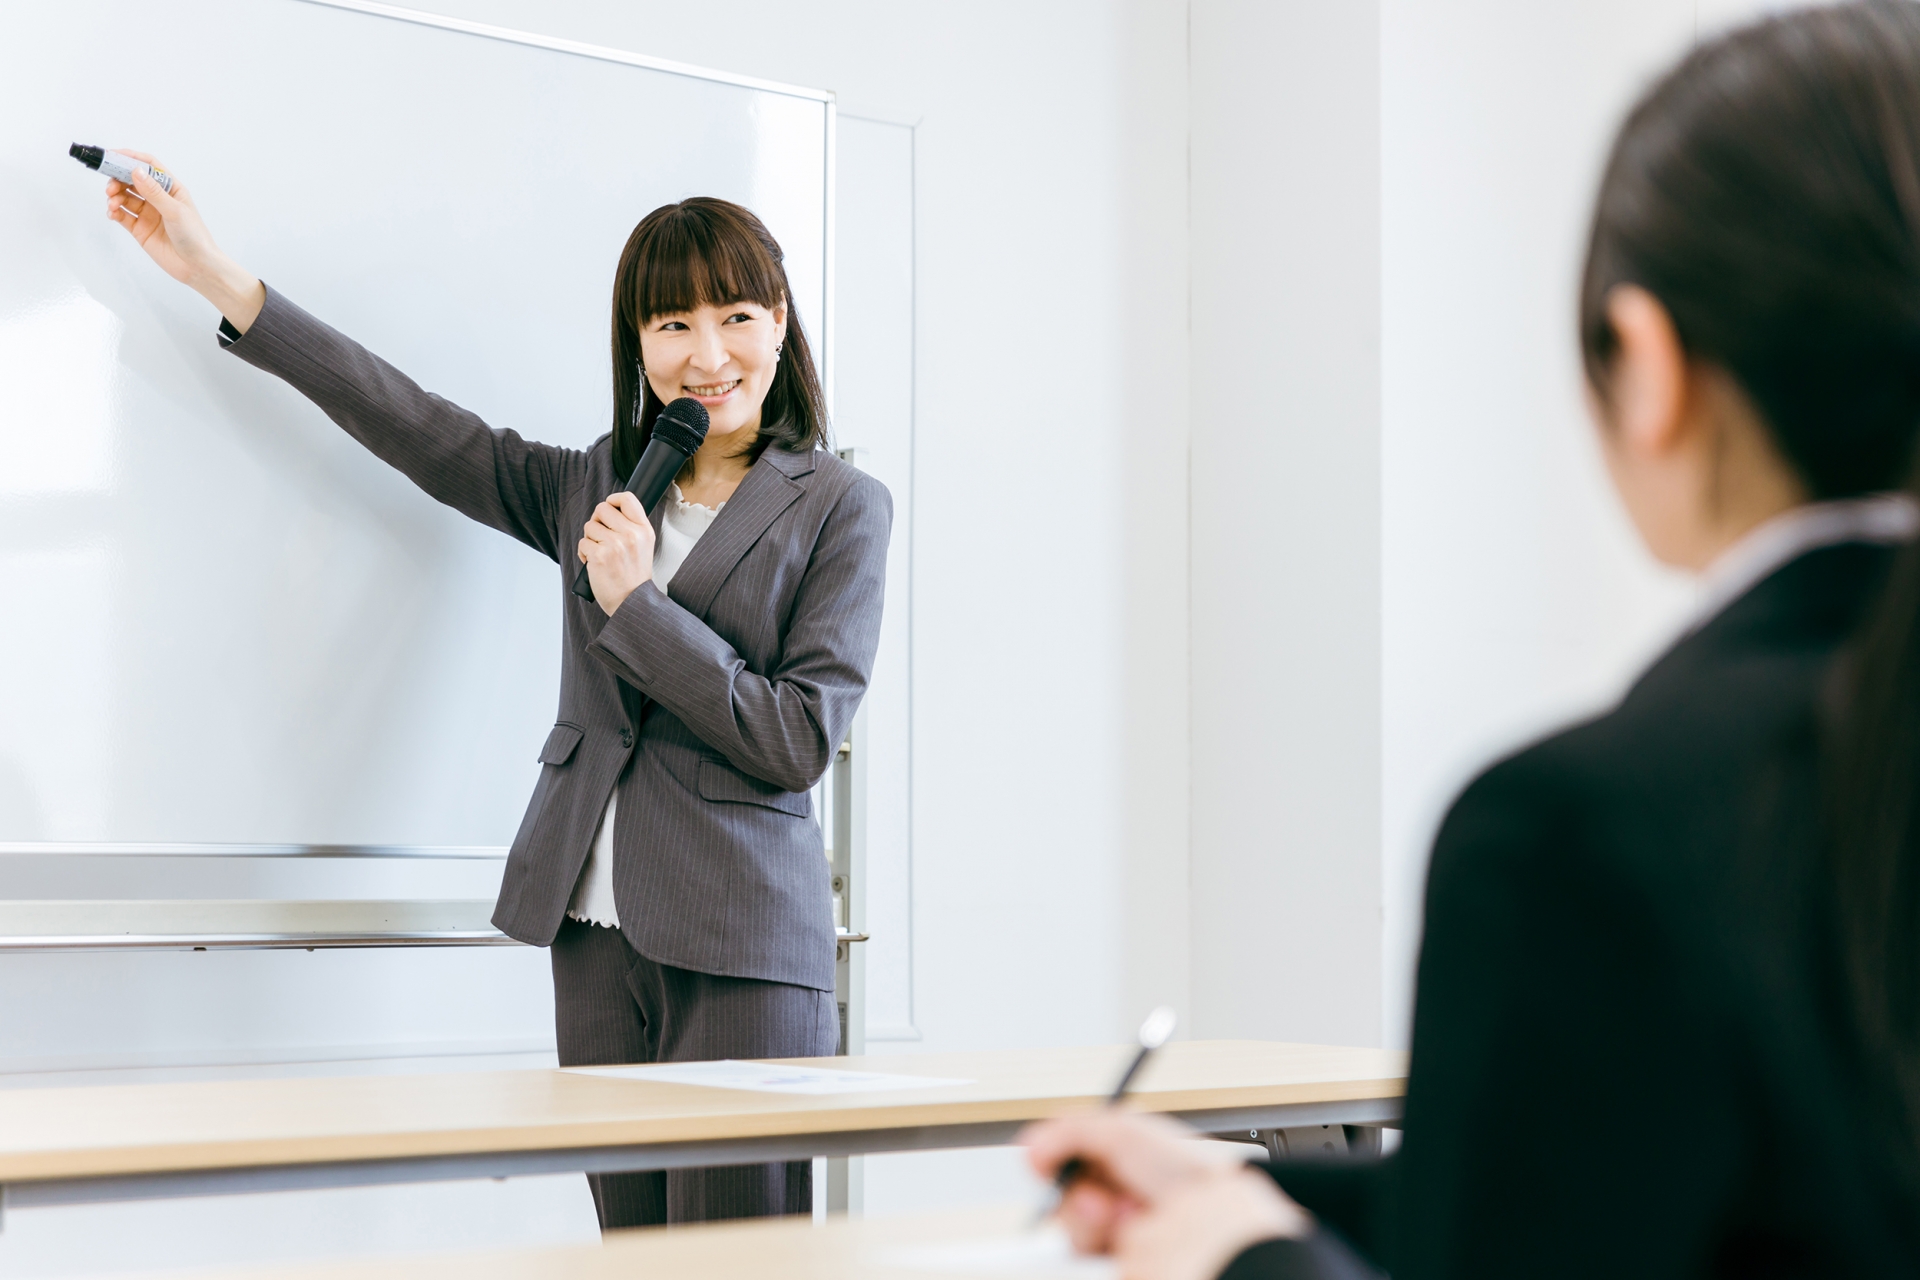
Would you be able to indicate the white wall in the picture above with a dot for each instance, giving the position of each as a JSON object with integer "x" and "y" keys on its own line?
{"x": 1515, "y": 595}
{"x": 872, "y": 397}
{"x": 1286, "y": 519}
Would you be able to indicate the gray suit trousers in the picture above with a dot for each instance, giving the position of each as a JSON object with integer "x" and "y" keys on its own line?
{"x": 613, "y": 1005}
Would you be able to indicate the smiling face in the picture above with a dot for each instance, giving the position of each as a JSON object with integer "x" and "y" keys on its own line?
{"x": 701, "y": 304}
{"x": 722, "y": 356}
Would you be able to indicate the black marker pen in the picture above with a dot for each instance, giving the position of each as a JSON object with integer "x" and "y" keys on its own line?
{"x": 115, "y": 165}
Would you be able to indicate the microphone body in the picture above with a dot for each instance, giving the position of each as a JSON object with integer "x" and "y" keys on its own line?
{"x": 677, "y": 434}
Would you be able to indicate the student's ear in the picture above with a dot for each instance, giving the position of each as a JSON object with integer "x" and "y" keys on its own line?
{"x": 1647, "y": 386}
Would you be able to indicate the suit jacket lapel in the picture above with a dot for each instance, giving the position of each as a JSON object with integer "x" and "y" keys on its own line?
{"x": 770, "y": 487}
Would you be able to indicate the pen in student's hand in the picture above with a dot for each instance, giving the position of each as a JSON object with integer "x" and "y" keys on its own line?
{"x": 1153, "y": 1033}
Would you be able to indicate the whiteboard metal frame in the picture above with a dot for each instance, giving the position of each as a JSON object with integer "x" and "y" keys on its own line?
{"x": 88, "y": 849}
{"x": 828, "y": 300}
{"x": 581, "y": 49}
{"x": 40, "y": 944}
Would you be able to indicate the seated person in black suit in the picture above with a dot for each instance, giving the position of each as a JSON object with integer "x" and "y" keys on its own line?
{"x": 1668, "y": 1013}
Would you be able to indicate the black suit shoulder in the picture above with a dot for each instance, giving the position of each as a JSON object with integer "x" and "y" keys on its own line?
{"x": 1590, "y": 1090}
{"x": 1644, "y": 794}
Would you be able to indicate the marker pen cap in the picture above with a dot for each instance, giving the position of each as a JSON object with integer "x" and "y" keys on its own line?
{"x": 115, "y": 165}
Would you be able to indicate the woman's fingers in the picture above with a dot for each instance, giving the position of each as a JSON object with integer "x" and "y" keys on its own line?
{"x": 127, "y": 213}
{"x": 630, "y": 507}
{"x": 179, "y": 194}
{"x": 118, "y": 193}
{"x": 1197, "y": 1230}
{"x": 617, "y": 549}
{"x": 140, "y": 209}
{"x": 622, "y": 511}
{"x": 1090, "y": 1212}
{"x": 153, "y": 193}
{"x": 1049, "y": 1144}
{"x": 616, "y": 518}
{"x": 614, "y": 541}
{"x": 1114, "y": 1139}
{"x": 1144, "y": 1156}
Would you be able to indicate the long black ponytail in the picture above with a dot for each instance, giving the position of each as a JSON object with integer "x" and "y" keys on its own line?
{"x": 1767, "y": 191}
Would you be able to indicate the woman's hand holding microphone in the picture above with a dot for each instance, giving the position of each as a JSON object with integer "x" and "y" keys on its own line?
{"x": 169, "y": 228}
{"x": 617, "y": 548}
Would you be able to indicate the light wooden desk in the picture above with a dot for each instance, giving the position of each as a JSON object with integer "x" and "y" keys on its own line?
{"x": 127, "y": 1142}
{"x": 996, "y": 1243}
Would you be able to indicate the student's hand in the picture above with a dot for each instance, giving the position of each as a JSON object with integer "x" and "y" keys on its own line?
{"x": 617, "y": 548}
{"x": 1193, "y": 1233}
{"x": 1149, "y": 1193}
{"x": 169, "y": 228}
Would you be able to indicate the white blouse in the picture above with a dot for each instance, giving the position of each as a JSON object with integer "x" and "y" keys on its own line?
{"x": 1885, "y": 518}
{"x": 679, "y": 530}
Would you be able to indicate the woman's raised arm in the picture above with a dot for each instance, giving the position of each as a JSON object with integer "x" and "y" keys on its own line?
{"x": 508, "y": 483}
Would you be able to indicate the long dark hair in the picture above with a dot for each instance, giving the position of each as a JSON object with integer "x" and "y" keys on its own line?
{"x": 1767, "y": 192}
{"x": 707, "y": 252}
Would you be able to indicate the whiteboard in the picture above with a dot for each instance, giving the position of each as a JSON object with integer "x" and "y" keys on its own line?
{"x": 223, "y": 620}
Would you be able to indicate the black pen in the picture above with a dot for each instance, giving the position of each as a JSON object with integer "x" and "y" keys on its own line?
{"x": 1153, "y": 1033}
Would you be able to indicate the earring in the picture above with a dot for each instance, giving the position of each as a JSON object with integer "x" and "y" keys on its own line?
{"x": 777, "y": 349}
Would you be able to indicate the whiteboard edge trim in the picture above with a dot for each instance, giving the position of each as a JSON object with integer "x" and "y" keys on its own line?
{"x": 166, "y": 849}
{"x": 578, "y": 48}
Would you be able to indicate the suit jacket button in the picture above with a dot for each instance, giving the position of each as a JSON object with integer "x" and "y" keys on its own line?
{"x": 626, "y": 737}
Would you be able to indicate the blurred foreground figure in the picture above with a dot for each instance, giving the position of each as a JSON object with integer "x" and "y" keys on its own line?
{"x": 1668, "y": 1014}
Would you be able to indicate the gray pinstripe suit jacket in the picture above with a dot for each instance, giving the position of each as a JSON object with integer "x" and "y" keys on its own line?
{"x": 712, "y": 708}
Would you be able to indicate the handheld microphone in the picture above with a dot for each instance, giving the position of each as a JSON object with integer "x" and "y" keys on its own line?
{"x": 677, "y": 434}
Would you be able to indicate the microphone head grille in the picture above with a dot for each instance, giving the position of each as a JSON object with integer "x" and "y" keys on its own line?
{"x": 682, "y": 424}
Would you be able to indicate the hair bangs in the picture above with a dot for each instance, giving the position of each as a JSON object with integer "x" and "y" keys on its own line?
{"x": 698, "y": 260}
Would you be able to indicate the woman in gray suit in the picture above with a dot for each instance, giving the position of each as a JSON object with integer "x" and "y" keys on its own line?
{"x": 669, "y": 855}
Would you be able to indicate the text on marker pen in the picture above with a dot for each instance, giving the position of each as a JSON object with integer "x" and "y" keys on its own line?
{"x": 115, "y": 165}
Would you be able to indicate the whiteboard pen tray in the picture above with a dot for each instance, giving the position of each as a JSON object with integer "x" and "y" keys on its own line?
{"x": 210, "y": 924}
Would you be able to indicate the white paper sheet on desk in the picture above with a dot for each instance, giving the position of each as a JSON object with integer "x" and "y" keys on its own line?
{"x": 1036, "y": 1255}
{"x": 762, "y": 1077}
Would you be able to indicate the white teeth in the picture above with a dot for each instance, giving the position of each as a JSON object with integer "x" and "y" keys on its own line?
{"x": 718, "y": 389}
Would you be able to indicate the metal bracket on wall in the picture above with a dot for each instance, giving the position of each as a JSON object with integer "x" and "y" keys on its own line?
{"x": 848, "y": 869}
{"x": 1358, "y": 1140}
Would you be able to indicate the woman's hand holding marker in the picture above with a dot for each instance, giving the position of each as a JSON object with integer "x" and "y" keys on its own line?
{"x": 169, "y": 227}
